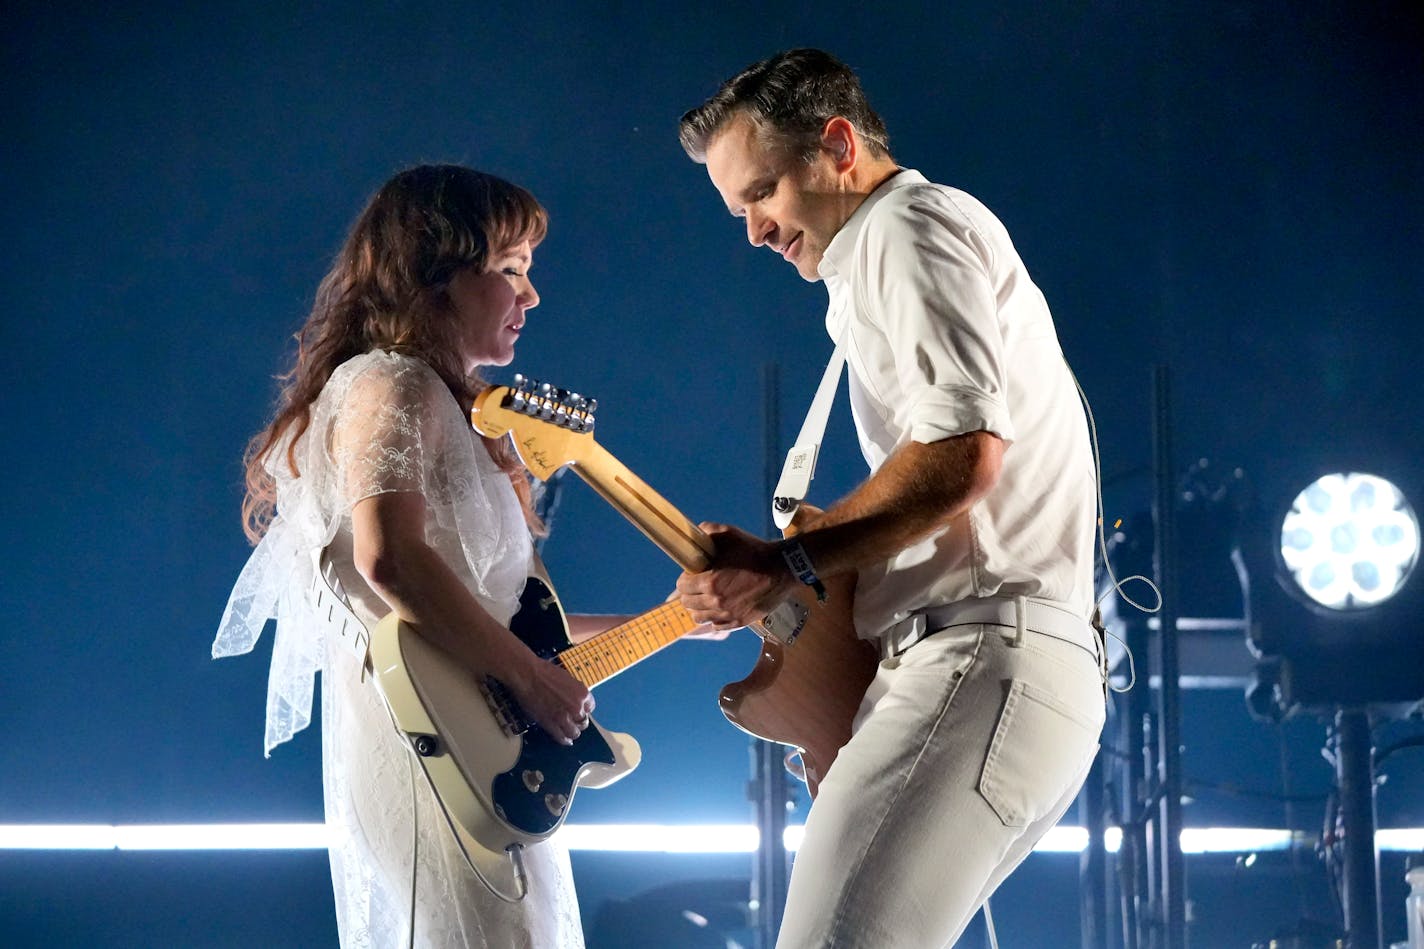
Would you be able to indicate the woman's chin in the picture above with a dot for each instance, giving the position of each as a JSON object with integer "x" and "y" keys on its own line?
{"x": 501, "y": 358}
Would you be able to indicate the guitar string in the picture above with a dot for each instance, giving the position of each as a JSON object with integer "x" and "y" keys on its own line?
{"x": 647, "y": 634}
{"x": 642, "y": 637}
{"x": 603, "y": 663}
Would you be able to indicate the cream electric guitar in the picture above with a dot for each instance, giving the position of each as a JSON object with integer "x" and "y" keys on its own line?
{"x": 500, "y": 777}
{"x": 813, "y": 670}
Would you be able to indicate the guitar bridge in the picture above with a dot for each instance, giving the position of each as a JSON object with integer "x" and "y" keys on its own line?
{"x": 511, "y": 718}
{"x": 784, "y": 624}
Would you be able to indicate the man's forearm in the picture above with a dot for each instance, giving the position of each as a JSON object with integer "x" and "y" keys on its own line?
{"x": 918, "y": 490}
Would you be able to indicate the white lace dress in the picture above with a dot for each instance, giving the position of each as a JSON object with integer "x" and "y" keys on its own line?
{"x": 385, "y": 422}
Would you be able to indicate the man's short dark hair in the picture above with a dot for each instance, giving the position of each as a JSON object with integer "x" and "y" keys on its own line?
{"x": 789, "y": 97}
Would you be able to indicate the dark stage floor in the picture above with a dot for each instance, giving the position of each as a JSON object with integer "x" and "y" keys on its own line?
{"x": 278, "y": 899}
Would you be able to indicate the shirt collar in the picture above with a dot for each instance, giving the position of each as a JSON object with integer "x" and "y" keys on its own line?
{"x": 837, "y": 258}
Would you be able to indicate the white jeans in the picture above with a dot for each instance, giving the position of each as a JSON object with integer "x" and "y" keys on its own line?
{"x": 967, "y": 749}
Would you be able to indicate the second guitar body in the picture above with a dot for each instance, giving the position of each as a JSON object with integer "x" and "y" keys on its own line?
{"x": 806, "y": 693}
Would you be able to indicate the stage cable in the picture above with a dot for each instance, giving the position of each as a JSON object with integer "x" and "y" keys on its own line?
{"x": 1117, "y": 586}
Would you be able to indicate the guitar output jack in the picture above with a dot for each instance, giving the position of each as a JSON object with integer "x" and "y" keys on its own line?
{"x": 426, "y": 745}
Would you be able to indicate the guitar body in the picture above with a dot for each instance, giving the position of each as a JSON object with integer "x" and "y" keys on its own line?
{"x": 806, "y": 693}
{"x": 502, "y": 779}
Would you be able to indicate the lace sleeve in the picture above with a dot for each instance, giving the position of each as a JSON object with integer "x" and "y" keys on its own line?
{"x": 385, "y": 434}
{"x": 394, "y": 426}
{"x": 383, "y": 423}
{"x": 370, "y": 432}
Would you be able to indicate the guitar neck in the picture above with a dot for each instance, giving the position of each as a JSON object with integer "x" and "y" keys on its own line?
{"x": 686, "y": 543}
{"x": 650, "y": 512}
{"x": 552, "y": 428}
{"x": 609, "y": 653}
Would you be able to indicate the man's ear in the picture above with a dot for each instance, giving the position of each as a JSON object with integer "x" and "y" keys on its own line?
{"x": 839, "y": 140}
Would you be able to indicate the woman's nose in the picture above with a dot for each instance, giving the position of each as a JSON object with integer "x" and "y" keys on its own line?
{"x": 528, "y": 296}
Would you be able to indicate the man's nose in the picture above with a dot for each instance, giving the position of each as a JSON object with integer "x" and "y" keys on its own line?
{"x": 759, "y": 226}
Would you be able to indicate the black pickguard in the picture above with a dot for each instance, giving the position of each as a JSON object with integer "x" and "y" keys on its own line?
{"x": 534, "y": 794}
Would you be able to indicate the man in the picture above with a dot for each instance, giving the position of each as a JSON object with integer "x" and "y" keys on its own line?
{"x": 972, "y": 538}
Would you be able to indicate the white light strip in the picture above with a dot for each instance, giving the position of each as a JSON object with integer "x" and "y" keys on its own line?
{"x": 1408, "y": 839}
{"x": 162, "y": 836}
{"x": 624, "y": 838}
{"x": 662, "y": 838}
{"x": 1233, "y": 839}
{"x": 1065, "y": 839}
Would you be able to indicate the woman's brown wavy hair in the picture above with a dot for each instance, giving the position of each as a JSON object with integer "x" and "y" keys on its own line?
{"x": 387, "y": 289}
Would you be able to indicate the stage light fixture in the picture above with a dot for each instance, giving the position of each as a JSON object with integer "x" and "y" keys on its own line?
{"x": 1349, "y": 541}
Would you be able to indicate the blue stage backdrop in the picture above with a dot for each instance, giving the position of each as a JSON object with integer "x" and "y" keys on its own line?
{"x": 1233, "y": 190}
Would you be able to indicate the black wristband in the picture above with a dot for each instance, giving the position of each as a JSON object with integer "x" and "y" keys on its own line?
{"x": 801, "y": 567}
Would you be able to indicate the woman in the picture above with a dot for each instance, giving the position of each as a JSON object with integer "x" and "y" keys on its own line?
{"x": 371, "y": 458}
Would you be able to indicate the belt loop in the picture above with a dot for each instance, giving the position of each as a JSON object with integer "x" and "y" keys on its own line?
{"x": 903, "y": 635}
{"x": 1020, "y": 620}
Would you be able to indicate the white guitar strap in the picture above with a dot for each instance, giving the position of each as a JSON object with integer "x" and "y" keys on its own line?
{"x": 800, "y": 466}
{"x": 332, "y": 609}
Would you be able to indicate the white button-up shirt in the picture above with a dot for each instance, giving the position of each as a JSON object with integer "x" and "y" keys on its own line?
{"x": 946, "y": 334}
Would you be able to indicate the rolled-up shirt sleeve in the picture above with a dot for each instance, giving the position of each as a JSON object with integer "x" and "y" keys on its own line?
{"x": 927, "y": 284}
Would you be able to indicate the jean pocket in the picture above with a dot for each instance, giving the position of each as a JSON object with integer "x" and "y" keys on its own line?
{"x": 1041, "y": 745}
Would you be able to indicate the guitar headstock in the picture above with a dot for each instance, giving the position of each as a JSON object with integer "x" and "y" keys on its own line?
{"x": 551, "y": 427}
